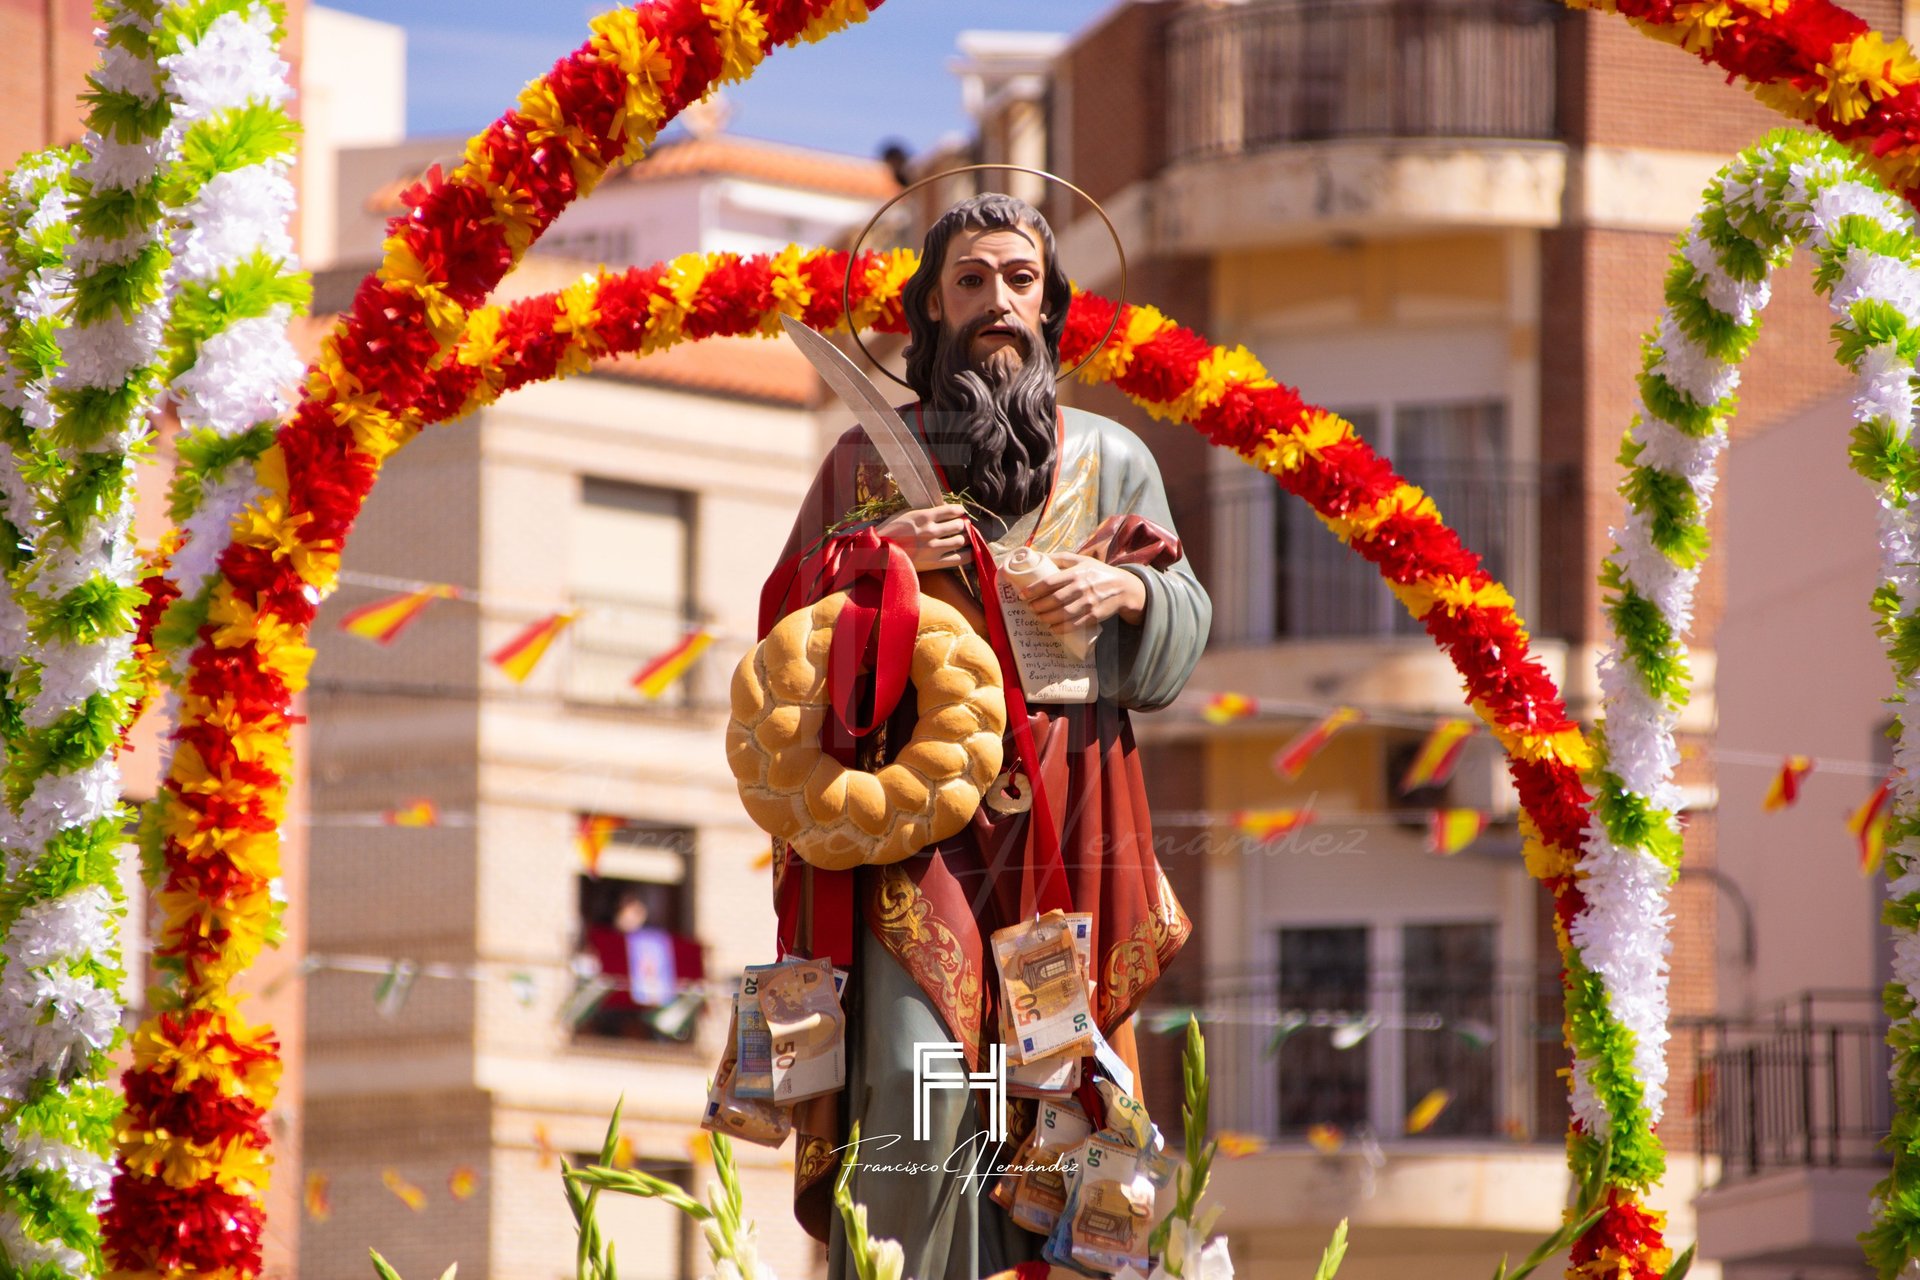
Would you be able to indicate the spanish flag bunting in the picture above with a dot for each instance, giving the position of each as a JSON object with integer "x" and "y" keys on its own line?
{"x": 1451, "y": 830}
{"x": 409, "y": 1195}
{"x": 1427, "y": 1110}
{"x": 1234, "y": 1145}
{"x": 1225, "y": 708}
{"x": 319, "y": 1203}
{"x": 463, "y": 1182}
{"x": 1433, "y": 764}
{"x": 1326, "y": 1138}
{"x": 1869, "y": 826}
{"x": 1785, "y": 788}
{"x": 415, "y": 813}
{"x": 1292, "y": 759}
{"x": 520, "y": 655}
{"x": 664, "y": 672}
{"x": 1270, "y": 824}
{"x": 700, "y": 1146}
{"x": 384, "y": 620}
{"x": 763, "y": 861}
{"x": 623, "y": 1152}
{"x": 592, "y": 834}
{"x": 543, "y": 1146}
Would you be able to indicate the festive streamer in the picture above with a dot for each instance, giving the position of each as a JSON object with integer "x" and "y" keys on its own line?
{"x": 1792, "y": 189}
{"x": 1808, "y": 59}
{"x": 1173, "y": 373}
{"x": 236, "y": 282}
{"x": 59, "y": 993}
{"x": 187, "y": 1197}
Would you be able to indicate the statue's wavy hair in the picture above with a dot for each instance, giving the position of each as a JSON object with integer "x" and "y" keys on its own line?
{"x": 992, "y": 210}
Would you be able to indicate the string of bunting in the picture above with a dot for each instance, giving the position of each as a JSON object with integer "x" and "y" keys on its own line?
{"x": 385, "y": 620}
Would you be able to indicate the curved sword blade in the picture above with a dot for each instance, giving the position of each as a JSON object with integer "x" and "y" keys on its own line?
{"x": 897, "y": 447}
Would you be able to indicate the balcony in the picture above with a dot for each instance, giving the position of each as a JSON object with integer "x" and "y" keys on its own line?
{"x": 1294, "y": 581}
{"x": 1316, "y": 1077}
{"x": 1348, "y": 115}
{"x": 1793, "y": 1109}
{"x": 1339, "y": 1052}
{"x": 1287, "y": 71}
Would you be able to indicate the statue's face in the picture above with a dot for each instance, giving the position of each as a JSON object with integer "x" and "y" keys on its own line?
{"x": 990, "y": 274}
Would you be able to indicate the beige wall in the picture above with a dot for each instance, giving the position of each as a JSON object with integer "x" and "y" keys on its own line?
{"x": 486, "y": 504}
{"x": 1800, "y": 672}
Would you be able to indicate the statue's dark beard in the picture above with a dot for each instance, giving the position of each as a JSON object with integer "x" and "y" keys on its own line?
{"x": 992, "y": 424}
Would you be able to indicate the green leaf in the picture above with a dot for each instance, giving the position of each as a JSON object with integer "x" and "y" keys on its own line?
{"x": 1334, "y": 1254}
{"x": 1682, "y": 1264}
{"x": 382, "y": 1268}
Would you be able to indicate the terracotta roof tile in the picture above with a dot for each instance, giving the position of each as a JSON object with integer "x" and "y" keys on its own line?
{"x": 769, "y": 370}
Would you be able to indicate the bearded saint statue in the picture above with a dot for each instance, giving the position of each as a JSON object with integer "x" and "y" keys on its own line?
{"x": 986, "y": 309}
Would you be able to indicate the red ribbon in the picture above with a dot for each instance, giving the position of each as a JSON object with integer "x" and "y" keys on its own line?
{"x": 876, "y": 628}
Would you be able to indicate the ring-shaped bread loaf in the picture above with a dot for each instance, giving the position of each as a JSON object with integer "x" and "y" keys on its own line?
{"x": 836, "y": 817}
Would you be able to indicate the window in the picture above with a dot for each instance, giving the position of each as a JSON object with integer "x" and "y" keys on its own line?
{"x": 1451, "y": 1024}
{"x": 1457, "y": 454}
{"x": 1364, "y": 1035}
{"x": 636, "y": 929}
{"x": 1324, "y": 1004}
{"x": 630, "y": 572}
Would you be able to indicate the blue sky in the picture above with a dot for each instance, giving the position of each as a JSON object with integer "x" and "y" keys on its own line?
{"x": 466, "y": 59}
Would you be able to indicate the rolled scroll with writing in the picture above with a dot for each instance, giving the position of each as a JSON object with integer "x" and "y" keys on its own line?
{"x": 1025, "y": 566}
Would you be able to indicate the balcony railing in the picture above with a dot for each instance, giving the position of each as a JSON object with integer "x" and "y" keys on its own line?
{"x": 1284, "y": 1061}
{"x": 1245, "y": 77}
{"x": 1804, "y": 1089}
{"x": 1293, "y": 580}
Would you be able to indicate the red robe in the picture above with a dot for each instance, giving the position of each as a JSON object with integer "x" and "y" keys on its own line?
{"x": 936, "y": 911}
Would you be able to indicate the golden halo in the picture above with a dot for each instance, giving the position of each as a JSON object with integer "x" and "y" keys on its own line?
{"x": 846, "y": 286}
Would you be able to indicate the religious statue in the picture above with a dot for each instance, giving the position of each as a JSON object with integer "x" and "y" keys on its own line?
{"x": 986, "y": 309}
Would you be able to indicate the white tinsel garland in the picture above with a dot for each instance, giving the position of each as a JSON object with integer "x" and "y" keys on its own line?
{"x": 1793, "y": 189}
{"x": 60, "y": 985}
{"x": 234, "y": 245}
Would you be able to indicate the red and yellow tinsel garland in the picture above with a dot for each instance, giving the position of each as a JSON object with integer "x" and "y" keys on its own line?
{"x": 186, "y": 1197}
{"x": 1809, "y": 59}
{"x": 1173, "y": 373}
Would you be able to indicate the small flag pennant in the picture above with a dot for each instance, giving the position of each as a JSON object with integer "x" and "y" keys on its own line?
{"x": 1225, "y": 708}
{"x": 1869, "y": 826}
{"x": 395, "y": 985}
{"x": 463, "y": 1182}
{"x": 1270, "y": 824}
{"x": 318, "y": 1200}
{"x": 414, "y": 813}
{"x": 1427, "y": 1110}
{"x": 1451, "y": 830}
{"x": 623, "y": 1152}
{"x": 411, "y": 1196}
{"x": 543, "y": 1146}
{"x": 1326, "y": 1138}
{"x": 592, "y": 835}
{"x": 1291, "y": 760}
{"x": 1785, "y": 787}
{"x": 520, "y": 655}
{"x": 384, "y": 620}
{"x": 1235, "y": 1145}
{"x": 700, "y": 1146}
{"x": 663, "y": 672}
{"x": 1434, "y": 762}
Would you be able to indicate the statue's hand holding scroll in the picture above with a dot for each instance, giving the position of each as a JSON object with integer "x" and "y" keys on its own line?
{"x": 1084, "y": 591}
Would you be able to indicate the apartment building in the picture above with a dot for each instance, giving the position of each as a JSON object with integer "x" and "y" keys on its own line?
{"x": 1450, "y": 222}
